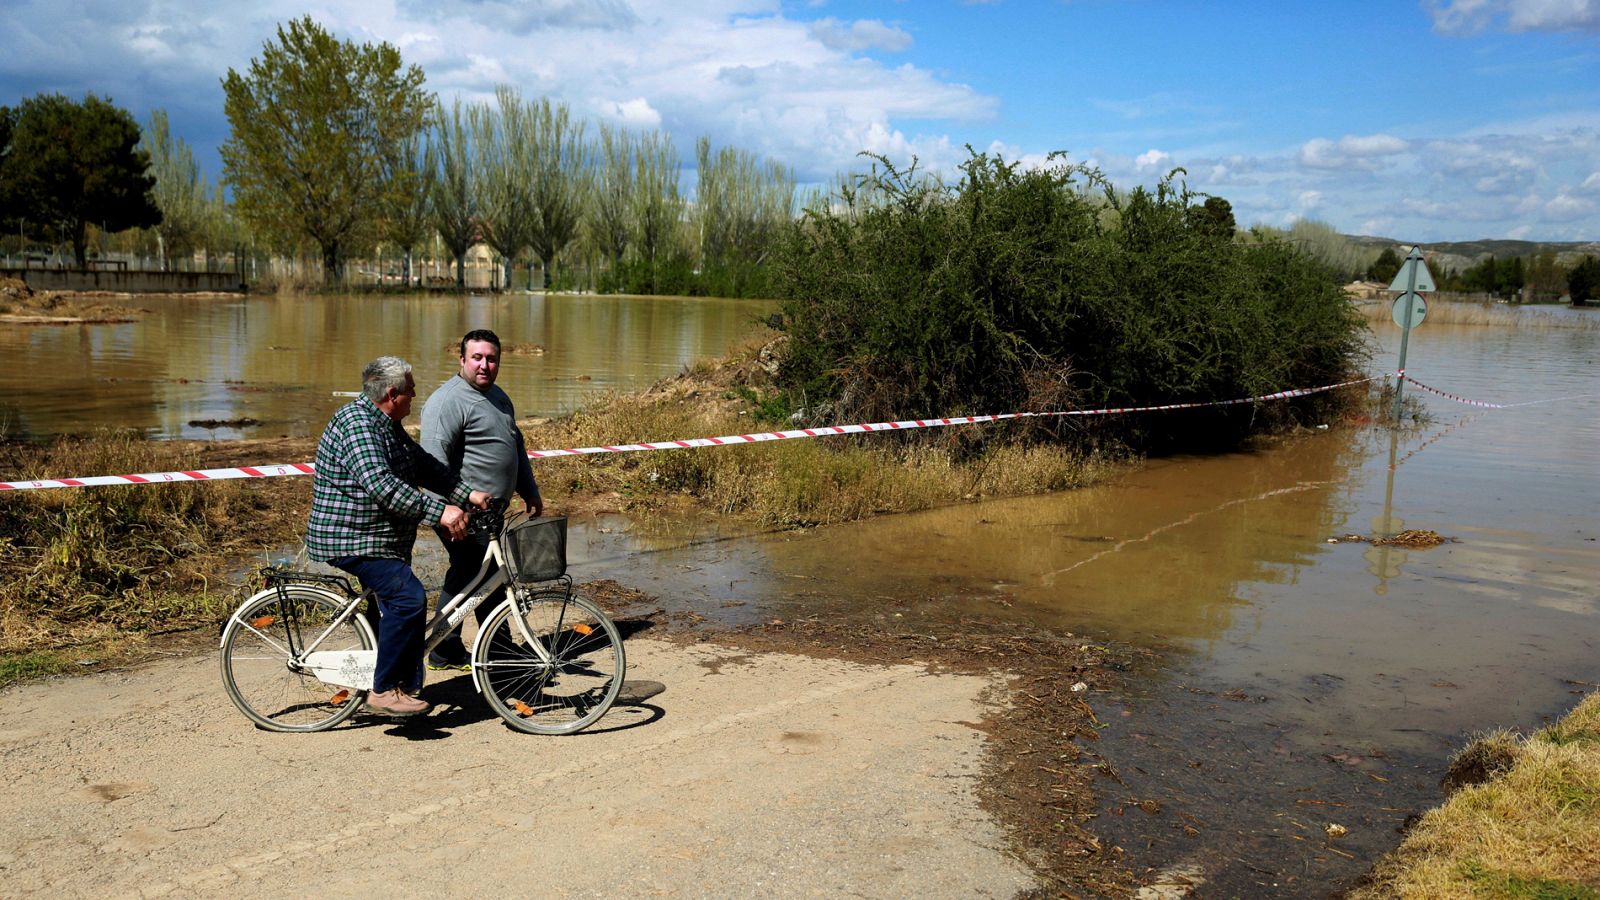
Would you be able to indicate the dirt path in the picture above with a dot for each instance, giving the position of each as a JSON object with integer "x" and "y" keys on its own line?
{"x": 722, "y": 772}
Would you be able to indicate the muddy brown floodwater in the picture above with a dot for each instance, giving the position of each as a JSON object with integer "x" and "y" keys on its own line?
{"x": 1307, "y": 684}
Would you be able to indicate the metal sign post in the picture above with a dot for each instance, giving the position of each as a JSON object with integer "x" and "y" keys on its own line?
{"x": 1409, "y": 310}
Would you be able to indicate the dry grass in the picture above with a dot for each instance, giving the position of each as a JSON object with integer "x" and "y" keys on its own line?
{"x": 791, "y": 482}
{"x": 81, "y": 567}
{"x": 1532, "y": 830}
{"x": 1448, "y": 312}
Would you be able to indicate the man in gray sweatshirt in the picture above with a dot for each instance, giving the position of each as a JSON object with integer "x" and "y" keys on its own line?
{"x": 470, "y": 425}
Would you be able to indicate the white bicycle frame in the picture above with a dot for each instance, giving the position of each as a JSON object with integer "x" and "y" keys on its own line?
{"x": 354, "y": 668}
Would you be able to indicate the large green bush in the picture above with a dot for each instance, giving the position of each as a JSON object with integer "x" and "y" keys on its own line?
{"x": 1046, "y": 289}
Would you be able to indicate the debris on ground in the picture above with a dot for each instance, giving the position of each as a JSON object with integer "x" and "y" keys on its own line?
{"x": 1414, "y": 537}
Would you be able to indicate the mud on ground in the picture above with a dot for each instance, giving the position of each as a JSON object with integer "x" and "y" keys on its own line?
{"x": 21, "y": 305}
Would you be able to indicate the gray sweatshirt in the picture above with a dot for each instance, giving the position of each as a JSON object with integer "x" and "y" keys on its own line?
{"x": 476, "y": 435}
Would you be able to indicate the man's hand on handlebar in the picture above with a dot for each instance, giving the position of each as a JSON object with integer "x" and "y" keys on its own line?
{"x": 480, "y": 499}
{"x": 454, "y": 521}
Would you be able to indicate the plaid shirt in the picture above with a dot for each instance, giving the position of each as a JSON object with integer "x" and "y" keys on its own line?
{"x": 365, "y": 491}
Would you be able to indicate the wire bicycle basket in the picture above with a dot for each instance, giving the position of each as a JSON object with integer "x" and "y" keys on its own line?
{"x": 536, "y": 549}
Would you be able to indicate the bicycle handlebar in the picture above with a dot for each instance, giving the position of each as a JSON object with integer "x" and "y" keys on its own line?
{"x": 488, "y": 522}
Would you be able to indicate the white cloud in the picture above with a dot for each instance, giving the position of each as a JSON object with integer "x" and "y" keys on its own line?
{"x": 635, "y": 113}
{"x": 1372, "y": 145}
{"x": 1152, "y": 158}
{"x": 1350, "y": 151}
{"x": 522, "y": 17}
{"x": 862, "y": 34}
{"x": 1310, "y": 200}
{"x": 1567, "y": 208}
{"x": 1458, "y": 17}
{"x": 1592, "y": 183}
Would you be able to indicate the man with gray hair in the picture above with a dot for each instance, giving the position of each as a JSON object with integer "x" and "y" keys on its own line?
{"x": 368, "y": 492}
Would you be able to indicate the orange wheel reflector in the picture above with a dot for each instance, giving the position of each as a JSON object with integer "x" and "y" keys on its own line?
{"x": 583, "y": 629}
{"x": 339, "y": 698}
{"x": 523, "y": 709}
{"x": 262, "y": 621}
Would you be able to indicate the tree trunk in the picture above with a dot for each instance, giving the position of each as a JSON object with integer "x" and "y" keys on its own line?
{"x": 330, "y": 264}
{"x": 461, "y": 270}
{"x": 80, "y": 245}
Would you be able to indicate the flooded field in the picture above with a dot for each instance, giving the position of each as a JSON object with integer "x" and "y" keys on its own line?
{"x": 191, "y": 367}
{"x": 1309, "y": 682}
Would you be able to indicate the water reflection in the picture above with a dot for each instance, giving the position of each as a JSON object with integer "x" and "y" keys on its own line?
{"x": 1313, "y": 681}
{"x": 277, "y": 360}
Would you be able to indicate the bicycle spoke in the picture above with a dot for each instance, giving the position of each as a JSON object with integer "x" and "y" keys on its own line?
{"x": 266, "y": 681}
{"x": 549, "y": 663}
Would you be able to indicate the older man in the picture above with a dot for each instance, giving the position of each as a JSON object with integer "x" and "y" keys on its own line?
{"x": 368, "y": 493}
{"x": 470, "y": 426}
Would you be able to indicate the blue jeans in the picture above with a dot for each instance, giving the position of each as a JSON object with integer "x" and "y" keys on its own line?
{"x": 404, "y": 607}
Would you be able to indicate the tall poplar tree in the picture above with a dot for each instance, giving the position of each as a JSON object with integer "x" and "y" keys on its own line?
{"x": 312, "y": 123}
{"x": 180, "y": 189}
{"x": 559, "y": 178}
{"x": 455, "y": 204}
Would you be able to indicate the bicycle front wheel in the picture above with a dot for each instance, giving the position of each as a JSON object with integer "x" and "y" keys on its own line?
{"x": 263, "y": 649}
{"x": 549, "y": 662}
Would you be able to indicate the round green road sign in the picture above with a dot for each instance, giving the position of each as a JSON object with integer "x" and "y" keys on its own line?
{"x": 1413, "y": 300}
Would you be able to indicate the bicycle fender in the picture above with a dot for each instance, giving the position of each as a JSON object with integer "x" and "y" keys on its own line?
{"x": 346, "y": 668}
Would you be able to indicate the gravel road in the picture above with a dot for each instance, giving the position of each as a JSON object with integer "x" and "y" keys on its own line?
{"x": 719, "y": 773}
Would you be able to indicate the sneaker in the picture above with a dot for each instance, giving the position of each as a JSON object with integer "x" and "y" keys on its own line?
{"x": 439, "y": 663}
{"x": 395, "y": 702}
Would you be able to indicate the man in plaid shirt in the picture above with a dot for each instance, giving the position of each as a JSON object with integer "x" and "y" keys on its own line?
{"x": 367, "y": 496}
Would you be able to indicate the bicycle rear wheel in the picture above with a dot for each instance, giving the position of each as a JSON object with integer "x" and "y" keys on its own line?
{"x": 549, "y": 662}
{"x": 262, "y": 649}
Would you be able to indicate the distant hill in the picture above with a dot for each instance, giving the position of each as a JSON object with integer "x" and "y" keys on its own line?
{"x": 1459, "y": 255}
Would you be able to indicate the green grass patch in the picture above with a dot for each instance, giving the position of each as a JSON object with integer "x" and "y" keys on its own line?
{"x": 35, "y": 664}
{"x": 1491, "y": 883}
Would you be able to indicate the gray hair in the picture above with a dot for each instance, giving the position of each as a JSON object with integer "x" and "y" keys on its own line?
{"x": 384, "y": 373}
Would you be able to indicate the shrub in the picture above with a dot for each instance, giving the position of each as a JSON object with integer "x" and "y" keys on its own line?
{"x": 1047, "y": 289}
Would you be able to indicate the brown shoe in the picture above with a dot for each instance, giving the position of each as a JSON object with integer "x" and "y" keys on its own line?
{"x": 395, "y": 702}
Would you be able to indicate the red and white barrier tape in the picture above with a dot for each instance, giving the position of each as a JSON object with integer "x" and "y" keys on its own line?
{"x": 1484, "y": 404}
{"x": 925, "y": 423}
{"x": 272, "y": 471}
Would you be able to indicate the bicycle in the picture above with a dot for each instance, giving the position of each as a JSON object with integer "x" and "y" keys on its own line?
{"x": 299, "y": 655}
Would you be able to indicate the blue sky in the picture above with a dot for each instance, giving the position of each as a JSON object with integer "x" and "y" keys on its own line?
{"x": 1431, "y": 121}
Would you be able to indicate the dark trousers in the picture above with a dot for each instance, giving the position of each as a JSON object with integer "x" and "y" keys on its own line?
{"x": 403, "y": 607}
{"x": 465, "y": 557}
